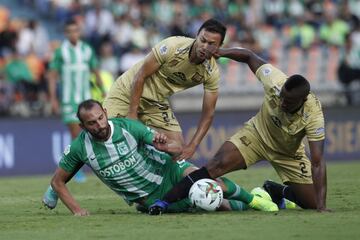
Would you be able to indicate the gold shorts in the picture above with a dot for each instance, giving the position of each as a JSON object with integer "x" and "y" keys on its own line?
{"x": 151, "y": 113}
{"x": 295, "y": 169}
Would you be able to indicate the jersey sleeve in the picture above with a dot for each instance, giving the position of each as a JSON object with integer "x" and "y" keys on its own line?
{"x": 270, "y": 77}
{"x": 71, "y": 158}
{"x": 212, "y": 83}
{"x": 164, "y": 50}
{"x": 56, "y": 61}
{"x": 315, "y": 129}
{"x": 141, "y": 132}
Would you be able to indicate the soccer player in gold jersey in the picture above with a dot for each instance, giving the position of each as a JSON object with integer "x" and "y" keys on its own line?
{"x": 173, "y": 65}
{"x": 289, "y": 113}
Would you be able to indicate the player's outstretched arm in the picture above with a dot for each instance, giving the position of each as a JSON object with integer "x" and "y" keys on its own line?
{"x": 149, "y": 67}
{"x": 58, "y": 184}
{"x": 319, "y": 173}
{"x": 242, "y": 55}
{"x": 207, "y": 115}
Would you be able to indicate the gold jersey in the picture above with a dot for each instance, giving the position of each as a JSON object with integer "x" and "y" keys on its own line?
{"x": 175, "y": 74}
{"x": 280, "y": 131}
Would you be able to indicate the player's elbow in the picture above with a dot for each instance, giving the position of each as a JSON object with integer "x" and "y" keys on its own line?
{"x": 56, "y": 183}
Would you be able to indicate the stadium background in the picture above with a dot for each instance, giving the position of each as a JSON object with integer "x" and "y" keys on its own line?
{"x": 31, "y": 139}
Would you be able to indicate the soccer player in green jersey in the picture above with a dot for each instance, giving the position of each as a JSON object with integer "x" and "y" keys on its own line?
{"x": 289, "y": 113}
{"x": 129, "y": 158}
{"x": 73, "y": 62}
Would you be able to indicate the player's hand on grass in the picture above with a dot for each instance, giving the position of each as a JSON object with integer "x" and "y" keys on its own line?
{"x": 81, "y": 213}
{"x": 324, "y": 209}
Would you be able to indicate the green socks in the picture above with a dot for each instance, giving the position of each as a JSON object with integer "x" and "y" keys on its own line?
{"x": 238, "y": 205}
{"x": 235, "y": 192}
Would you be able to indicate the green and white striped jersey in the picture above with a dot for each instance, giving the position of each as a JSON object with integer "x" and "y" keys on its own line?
{"x": 74, "y": 63}
{"x": 125, "y": 162}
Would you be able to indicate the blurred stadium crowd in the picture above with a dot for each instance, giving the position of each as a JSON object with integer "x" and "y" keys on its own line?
{"x": 311, "y": 37}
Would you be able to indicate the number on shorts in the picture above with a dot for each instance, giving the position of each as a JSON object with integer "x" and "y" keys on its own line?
{"x": 303, "y": 168}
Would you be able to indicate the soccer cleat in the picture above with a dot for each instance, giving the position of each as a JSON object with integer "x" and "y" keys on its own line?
{"x": 258, "y": 191}
{"x": 262, "y": 204}
{"x": 158, "y": 207}
{"x": 286, "y": 204}
{"x": 50, "y": 198}
{"x": 273, "y": 188}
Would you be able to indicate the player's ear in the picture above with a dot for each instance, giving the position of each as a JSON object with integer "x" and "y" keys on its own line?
{"x": 105, "y": 111}
{"x": 81, "y": 125}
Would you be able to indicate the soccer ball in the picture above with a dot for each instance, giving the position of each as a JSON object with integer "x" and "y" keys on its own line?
{"x": 206, "y": 194}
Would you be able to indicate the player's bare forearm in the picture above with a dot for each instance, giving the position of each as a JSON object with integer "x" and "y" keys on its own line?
{"x": 320, "y": 184}
{"x": 52, "y": 78}
{"x": 242, "y": 55}
{"x": 318, "y": 172}
{"x": 59, "y": 186}
{"x": 207, "y": 115}
{"x": 136, "y": 92}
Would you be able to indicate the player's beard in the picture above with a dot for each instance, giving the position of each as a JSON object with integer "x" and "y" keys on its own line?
{"x": 103, "y": 134}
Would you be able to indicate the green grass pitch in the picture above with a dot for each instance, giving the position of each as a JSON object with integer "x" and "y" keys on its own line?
{"x": 21, "y": 215}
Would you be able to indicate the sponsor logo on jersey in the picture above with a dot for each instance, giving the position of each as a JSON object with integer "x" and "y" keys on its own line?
{"x": 122, "y": 148}
{"x": 177, "y": 78}
{"x": 119, "y": 167}
{"x": 163, "y": 49}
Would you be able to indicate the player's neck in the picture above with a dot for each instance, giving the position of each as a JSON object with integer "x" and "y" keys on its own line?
{"x": 192, "y": 55}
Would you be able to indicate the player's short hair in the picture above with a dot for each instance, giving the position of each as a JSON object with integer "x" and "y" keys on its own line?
{"x": 70, "y": 22}
{"x": 297, "y": 82}
{"x": 87, "y": 105}
{"x": 214, "y": 26}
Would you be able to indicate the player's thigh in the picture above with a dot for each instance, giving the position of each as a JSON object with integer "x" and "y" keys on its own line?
{"x": 305, "y": 195}
{"x": 294, "y": 169}
{"x": 227, "y": 159}
{"x": 239, "y": 152}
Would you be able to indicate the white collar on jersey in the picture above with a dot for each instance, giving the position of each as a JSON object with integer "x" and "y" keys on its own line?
{"x": 111, "y": 131}
{"x": 69, "y": 44}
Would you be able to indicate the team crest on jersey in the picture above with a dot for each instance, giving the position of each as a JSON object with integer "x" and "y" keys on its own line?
{"x": 122, "y": 148}
{"x": 197, "y": 78}
{"x": 163, "y": 49}
{"x": 67, "y": 150}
